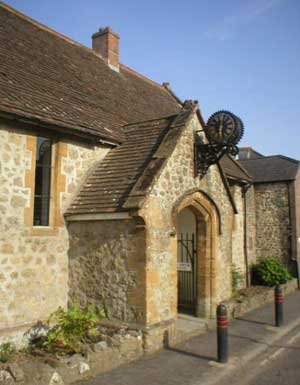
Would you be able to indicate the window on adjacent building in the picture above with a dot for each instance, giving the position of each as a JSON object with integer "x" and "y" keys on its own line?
{"x": 42, "y": 190}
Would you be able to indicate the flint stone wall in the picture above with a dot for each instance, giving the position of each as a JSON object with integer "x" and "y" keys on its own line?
{"x": 296, "y": 211}
{"x": 255, "y": 297}
{"x": 107, "y": 267}
{"x": 238, "y": 233}
{"x": 273, "y": 233}
{"x": 33, "y": 268}
{"x": 175, "y": 181}
{"x": 251, "y": 225}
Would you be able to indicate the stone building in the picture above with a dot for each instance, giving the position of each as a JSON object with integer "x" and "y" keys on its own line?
{"x": 276, "y": 181}
{"x": 99, "y": 199}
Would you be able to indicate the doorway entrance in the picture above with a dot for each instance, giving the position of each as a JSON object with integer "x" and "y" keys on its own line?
{"x": 187, "y": 261}
{"x": 198, "y": 226}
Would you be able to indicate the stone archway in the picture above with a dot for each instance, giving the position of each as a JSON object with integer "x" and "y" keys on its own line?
{"x": 207, "y": 229}
{"x": 187, "y": 262}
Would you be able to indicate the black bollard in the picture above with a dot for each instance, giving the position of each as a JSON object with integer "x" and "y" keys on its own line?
{"x": 222, "y": 334}
{"x": 278, "y": 306}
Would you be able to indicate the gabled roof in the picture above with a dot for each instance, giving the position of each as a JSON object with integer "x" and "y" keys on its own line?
{"x": 249, "y": 152}
{"x": 274, "y": 168}
{"x": 233, "y": 169}
{"x": 122, "y": 179}
{"x": 48, "y": 77}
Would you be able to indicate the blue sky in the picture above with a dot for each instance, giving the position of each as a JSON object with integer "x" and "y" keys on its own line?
{"x": 241, "y": 55}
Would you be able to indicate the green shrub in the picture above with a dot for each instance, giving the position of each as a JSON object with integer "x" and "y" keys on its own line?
{"x": 269, "y": 271}
{"x": 72, "y": 329}
{"x": 236, "y": 278}
{"x": 7, "y": 351}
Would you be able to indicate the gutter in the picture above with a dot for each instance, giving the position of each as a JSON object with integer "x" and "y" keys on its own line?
{"x": 60, "y": 128}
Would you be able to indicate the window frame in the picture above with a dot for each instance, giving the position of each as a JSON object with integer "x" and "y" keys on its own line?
{"x": 50, "y": 195}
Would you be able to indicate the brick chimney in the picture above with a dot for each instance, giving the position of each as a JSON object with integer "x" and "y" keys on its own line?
{"x": 106, "y": 43}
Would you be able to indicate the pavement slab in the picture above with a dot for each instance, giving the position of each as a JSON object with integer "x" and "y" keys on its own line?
{"x": 194, "y": 362}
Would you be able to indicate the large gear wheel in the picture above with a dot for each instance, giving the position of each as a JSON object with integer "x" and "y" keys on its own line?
{"x": 224, "y": 128}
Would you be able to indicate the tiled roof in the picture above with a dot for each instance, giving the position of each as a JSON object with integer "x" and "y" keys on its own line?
{"x": 122, "y": 179}
{"x": 271, "y": 168}
{"x": 46, "y": 76}
{"x": 233, "y": 169}
{"x": 249, "y": 152}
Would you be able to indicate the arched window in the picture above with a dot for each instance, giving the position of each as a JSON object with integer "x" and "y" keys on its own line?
{"x": 42, "y": 190}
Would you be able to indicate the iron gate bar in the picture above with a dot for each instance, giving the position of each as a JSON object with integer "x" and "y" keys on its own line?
{"x": 187, "y": 280}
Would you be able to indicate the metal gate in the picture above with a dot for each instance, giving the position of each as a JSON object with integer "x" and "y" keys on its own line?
{"x": 187, "y": 276}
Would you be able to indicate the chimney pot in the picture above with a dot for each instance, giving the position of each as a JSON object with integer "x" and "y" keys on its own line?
{"x": 106, "y": 43}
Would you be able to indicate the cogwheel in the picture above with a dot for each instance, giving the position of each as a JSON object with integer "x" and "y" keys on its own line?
{"x": 223, "y": 127}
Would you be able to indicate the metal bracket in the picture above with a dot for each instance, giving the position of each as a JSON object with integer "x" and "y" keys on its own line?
{"x": 209, "y": 154}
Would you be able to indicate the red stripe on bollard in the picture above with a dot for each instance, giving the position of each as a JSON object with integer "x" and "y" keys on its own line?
{"x": 222, "y": 335}
{"x": 222, "y": 323}
{"x": 278, "y": 306}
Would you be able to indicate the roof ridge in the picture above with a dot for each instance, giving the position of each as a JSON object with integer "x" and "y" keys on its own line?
{"x": 112, "y": 101}
{"x": 74, "y": 42}
{"x": 144, "y": 77}
{"x": 167, "y": 86}
{"x": 289, "y": 159}
{"x": 271, "y": 156}
{"x": 48, "y": 29}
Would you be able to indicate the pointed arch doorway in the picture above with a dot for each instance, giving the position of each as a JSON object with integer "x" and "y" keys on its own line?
{"x": 198, "y": 226}
{"x": 187, "y": 261}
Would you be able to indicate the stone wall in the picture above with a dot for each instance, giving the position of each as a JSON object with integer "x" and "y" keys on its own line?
{"x": 255, "y": 297}
{"x": 244, "y": 231}
{"x": 107, "y": 267}
{"x": 250, "y": 225}
{"x": 296, "y": 210}
{"x": 273, "y": 221}
{"x": 118, "y": 347}
{"x": 34, "y": 261}
{"x": 238, "y": 249}
{"x": 175, "y": 182}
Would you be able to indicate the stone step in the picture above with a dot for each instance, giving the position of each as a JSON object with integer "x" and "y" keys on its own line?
{"x": 187, "y": 327}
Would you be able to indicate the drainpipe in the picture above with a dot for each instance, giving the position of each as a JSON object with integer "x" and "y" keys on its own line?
{"x": 245, "y": 188}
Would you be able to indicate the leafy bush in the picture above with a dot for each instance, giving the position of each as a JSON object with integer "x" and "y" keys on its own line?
{"x": 72, "y": 328}
{"x": 236, "y": 278}
{"x": 269, "y": 271}
{"x": 7, "y": 351}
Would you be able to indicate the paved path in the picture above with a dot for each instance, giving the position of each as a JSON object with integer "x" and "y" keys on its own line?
{"x": 193, "y": 363}
{"x": 282, "y": 367}
{"x": 278, "y": 365}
